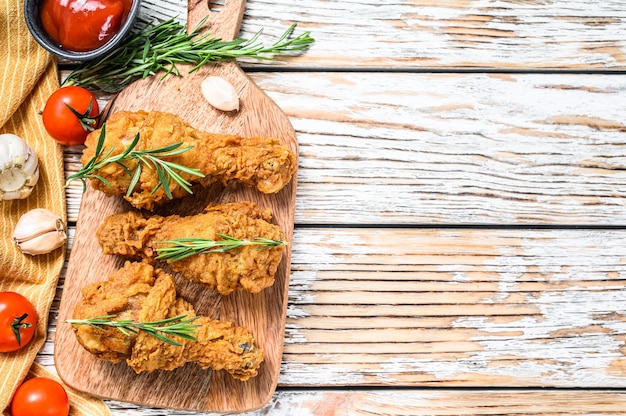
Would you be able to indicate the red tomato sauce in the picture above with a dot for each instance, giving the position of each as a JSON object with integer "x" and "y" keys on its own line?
{"x": 83, "y": 25}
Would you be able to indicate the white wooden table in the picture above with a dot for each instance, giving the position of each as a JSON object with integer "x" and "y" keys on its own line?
{"x": 460, "y": 224}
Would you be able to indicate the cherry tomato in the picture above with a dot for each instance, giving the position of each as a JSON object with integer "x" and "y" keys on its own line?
{"x": 66, "y": 126}
{"x": 83, "y": 25}
{"x": 18, "y": 321}
{"x": 40, "y": 396}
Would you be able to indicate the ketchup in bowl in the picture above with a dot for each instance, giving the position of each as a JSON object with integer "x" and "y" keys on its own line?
{"x": 83, "y": 25}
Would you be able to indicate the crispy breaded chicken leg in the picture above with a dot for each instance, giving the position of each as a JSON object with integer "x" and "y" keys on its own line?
{"x": 140, "y": 293}
{"x": 134, "y": 235}
{"x": 259, "y": 162}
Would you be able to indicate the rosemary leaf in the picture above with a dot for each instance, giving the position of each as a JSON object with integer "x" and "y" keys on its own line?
{"x": 162, "y": 46}
{"x": 135, "y": 180}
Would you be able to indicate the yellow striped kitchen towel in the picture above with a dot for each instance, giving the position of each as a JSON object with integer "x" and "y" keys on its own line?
{"x": 28, "y": 75}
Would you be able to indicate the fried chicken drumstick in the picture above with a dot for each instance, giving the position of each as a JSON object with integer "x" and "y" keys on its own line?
{"x": 252, "y": 268}
{"x": 257, "y": 162}
{"x": 139, "y": 293}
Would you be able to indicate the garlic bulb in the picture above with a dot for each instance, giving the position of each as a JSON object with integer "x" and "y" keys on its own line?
{"x": 19, "y": 167}
{"x": 39, "y": 231}
{"x": 220, "y": 93}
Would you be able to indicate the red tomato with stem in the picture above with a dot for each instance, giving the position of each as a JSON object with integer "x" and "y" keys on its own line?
{"x": 70, "y": 114}
{"x": 40, "y": 396}
{"x": 18, "y": 321}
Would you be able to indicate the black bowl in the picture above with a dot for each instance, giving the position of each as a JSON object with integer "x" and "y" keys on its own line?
{"x": 33, "y": 21}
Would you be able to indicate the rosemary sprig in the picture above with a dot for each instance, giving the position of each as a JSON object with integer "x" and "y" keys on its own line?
{"x": 150, "y": 158}
{"x": 160, "y": 47}
{"x": 181, "y": 248}
{"x": 180, "y": 326}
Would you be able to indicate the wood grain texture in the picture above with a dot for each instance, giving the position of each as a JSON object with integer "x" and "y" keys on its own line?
{"x": 263, "y": 314}
{"x": 423, "y": 35}
{"x": 415, "y": 262}
{"x": 452, "y": 148}
{"x": 430, "y": 402}
{"x": 476, "y": 34}
{"x": 152, "y": 11}
{"x": 457, "y": 148}
{"x": 422, "y": 402}
{"x": 457, "y": 307}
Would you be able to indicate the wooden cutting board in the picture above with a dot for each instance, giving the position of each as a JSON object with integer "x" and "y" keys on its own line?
{"x": 188, "y": 387}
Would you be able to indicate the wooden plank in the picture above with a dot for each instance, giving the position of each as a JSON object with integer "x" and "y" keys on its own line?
{"x": 459, "y": 307}
{"x": 424, "y": 34}
{"x": 457, "y": 148}
{"x": 451, "y": 148}
{"x": 435, "y": 402}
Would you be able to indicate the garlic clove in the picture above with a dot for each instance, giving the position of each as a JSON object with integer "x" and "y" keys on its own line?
{"x": 220, "y": 93}
{"x": 15, "y": 150}
{"x": 14, "y": 195}
{"x": 39, "y": 231}
{"x": 34, "y": 223}
{"x": 31, "y": 166}
{"x": 19, "y": 167}
{"x": 43, "y": 244}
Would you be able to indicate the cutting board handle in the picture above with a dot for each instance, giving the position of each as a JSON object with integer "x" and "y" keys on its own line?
{"x": 223, "y": 23}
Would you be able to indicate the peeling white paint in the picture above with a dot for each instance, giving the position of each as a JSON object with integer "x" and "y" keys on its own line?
{"x": 478, "y": 33}
{"x": 578, "y": 359}
{"x": 322, "y": 375}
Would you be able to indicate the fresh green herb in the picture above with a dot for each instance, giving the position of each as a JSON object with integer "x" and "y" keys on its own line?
{"x": 150, "y": 158}
{"x": 181, "y": 248}
{"x": 178, "y": 326}
{"x": 160, "y": 47}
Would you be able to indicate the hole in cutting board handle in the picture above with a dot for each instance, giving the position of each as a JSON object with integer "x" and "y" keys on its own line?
{"x": 224, "y": 24}
{"x": 216, "y": 6}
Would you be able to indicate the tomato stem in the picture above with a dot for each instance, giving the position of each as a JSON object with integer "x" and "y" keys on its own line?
{"x": 87, "y": 122}
{"x": 17, "y": 324}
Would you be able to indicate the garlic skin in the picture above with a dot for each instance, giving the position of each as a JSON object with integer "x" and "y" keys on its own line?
{"x": 220, "y": 93}
{"x": 19, "y": 167}
{"x": 39, "y": 231}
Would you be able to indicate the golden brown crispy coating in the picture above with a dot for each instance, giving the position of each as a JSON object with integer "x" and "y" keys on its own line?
{"x": 142, "y": 294}
{"x": 133, "y": 235}
{"x": 259, "y": 162}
